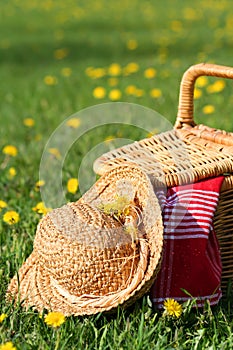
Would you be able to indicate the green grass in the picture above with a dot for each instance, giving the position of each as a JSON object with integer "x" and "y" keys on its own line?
{"x": 171, "y": 36}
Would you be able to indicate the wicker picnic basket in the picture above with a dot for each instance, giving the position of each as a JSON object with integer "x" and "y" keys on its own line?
{"x": 186, "y": 154}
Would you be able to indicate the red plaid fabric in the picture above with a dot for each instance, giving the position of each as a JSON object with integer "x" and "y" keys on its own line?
{"x": 191, "y": 257}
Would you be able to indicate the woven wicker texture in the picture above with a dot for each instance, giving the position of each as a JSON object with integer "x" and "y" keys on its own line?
{"x": 99, "y": 252}
{"x": 187, "y": 154}
{"x": 176, "y": 157}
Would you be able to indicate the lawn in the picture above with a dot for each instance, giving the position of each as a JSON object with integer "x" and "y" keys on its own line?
{"x": 60, "y": 63}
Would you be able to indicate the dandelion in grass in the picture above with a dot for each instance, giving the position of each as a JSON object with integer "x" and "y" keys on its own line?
{"x": 29, "y": 122}
{"x": 132, "y": 44}
{"x": 72, "y": 185}
{"x": 59, "y": 54}
{"x": 217, "y": 86}
{"x": 155, "y": 93}
{"x": 38, "y": 137}
{"x": 66, "y": 72}
{"x": 130, "y": 89}
{"x": 38, "y": 185}
{"x": 197, "y": 93}
{"x": 150, "y": 73}
{"x": 208, "y": 109}
{"x": 40, "y": 208}
{"x": 201, "y": 81}
{"x": 2, "y": 317}
{"x": 55, "y": 152}
{"x": 113, "y": 81}
{"x": 50, "y": 80}
{"x": 11, "y": 217}
{"x": 2, "y": 205}
{"x": 176, "y": 26}
{"x": 10, "y": 150}
{"x": 7, "y": 346}
{"x": 98, "y": 73}
{"x": 139, "y": 92}
{"x": 73, "y": 123}
{"x": 152, "y": 133}
{"x": 99, "y": 92}
{"x": 114, "y": 95}
{"x": 114, "y": 69}
{"x": 109, "y": 138}
{"x": 95, "y": 73}
{"x": 131, "y": 67}
{"x": 172, "y": 308}
{"x": 54, "y": 319}
{"x": 12, "y": 172}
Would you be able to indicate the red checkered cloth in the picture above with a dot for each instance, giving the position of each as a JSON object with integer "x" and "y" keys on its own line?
{"x": 191, "y": 257}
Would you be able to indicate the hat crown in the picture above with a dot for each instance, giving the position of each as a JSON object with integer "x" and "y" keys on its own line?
{"x": 78, "y": 245}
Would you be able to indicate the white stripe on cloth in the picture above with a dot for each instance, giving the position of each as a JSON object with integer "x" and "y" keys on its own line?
{"x": 174, "y": 237}
{"x": 200, "y": 301}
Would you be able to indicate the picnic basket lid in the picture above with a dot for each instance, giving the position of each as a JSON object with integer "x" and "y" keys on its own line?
{"x": 189, "y": 152}
{"x": 97, "y": 253}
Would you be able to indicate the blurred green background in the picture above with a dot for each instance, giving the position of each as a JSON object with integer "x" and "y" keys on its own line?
{"x": 59, "y": 57}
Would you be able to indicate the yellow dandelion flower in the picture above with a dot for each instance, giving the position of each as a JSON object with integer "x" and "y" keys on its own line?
{"x": 66, "y": 72}
{"x": 120, "y": 206}
{"x": 29, "y": 122}
{"x": 152, "y": 133}
{"x": 109, "y": 138}
{"x": 201, "y": 81}
{"x": 190, "y": 13}
{"x": 38, "y": 185}
{"x": 10, "y": 150}
{"x": 2, "y": 205}
{"x": 50, "y": 80}
{"x": 114, "y": 69}
{"x": 73, "y": 122}
{"x": 150, "y": 73}
{"x": 217, "y": 86}
{"x": 172, "y": 308}
{"x": 2, "y": 317}
{"x": 38, "y": 137}
{"x": 155, "y": 93}
{"x": 7, "y": 346}
{"x": 132, "y": 44}
{"x": 54, "y": 319}
{"x": 88, "y": 71}
{"x": 131, "y": 67}
{"x": 11, "y": 217}
{"x": 12, "y": 172}
{"x": 208, "y": 109}
{"x": 40, "y": 208}
{"x": 55, "y": 152}
{"x": 99, "y": 92}
{"x": 197, "y": 93}
{"x": 59, "y": 54}
{"x": 98, "y": 73}
{"x": 176, "y": 26}
{"x": 112, "y": 81}
{"x": 95, "y": 73}
{"x": 139, "y": 92}
{"x": 130, "y": 89}
{"x": 72, "y": 185}
{"x": 114, "y": 94}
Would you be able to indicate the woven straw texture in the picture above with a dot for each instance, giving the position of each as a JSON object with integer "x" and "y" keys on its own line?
{"x": 97, "y": 253}
{"x": 187, "y": 154}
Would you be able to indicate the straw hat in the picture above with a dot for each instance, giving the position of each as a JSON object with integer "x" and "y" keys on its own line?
{"x": 97, "y": 253}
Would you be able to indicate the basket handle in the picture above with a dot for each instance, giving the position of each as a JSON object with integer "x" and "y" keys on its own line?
{"x": 185, "y": 107}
